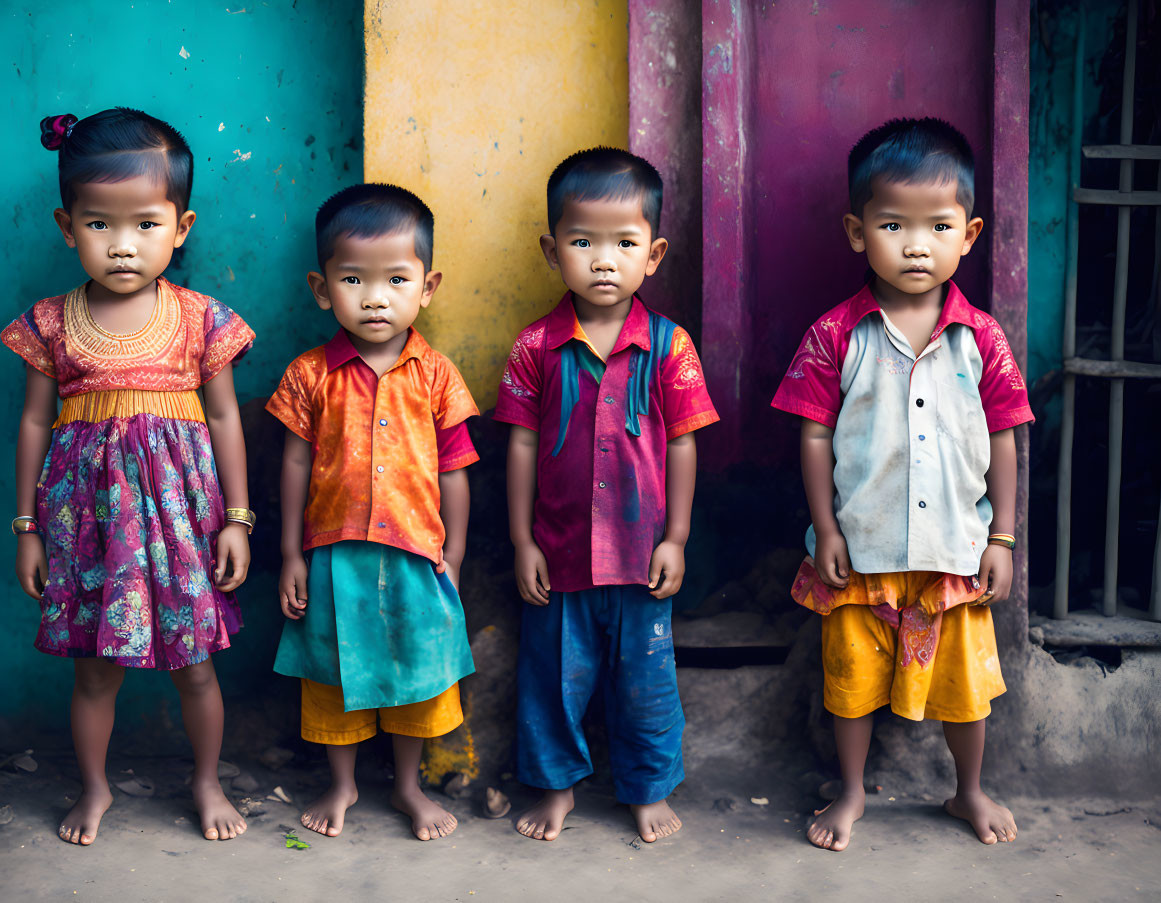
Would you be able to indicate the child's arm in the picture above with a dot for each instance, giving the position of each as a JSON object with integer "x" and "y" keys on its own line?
{"x": 996, "y": 561}
{"x": 669, "y": 556}
{"x": 455, "y": 500}
{"x": 295, "y": 483}
{"x": 31, "y": 448}
{"x": 831, "y": 559}
{"x": 531, "y": 565}
{"x": 230, "y": 457}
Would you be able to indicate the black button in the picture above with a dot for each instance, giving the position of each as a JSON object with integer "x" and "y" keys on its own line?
{"x": 918, "y": 402}
{"x": 923, "y": 504}
{"x": 604, "y": 449}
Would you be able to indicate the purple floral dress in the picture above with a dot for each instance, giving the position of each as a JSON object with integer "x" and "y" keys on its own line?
{"x": 128, "y": 501}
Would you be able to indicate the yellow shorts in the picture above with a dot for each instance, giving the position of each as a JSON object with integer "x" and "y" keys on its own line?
{"x": 324, "y": 721}
{"x": 863, "y": 667}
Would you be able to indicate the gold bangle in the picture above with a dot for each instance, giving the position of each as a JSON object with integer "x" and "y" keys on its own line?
{"x": 1007, "y": 540}
{"x": 243, "y": 516}
{"x": 24, "y": 523}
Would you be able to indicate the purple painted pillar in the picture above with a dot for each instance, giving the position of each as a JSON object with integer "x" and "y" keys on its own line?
{"x": 1009, "y": 256}
{"x": 726, "y": 221}
{"x": 665, "y": 129}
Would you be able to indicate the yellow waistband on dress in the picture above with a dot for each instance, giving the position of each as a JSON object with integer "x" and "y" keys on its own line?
{"x": 94, "y": 407}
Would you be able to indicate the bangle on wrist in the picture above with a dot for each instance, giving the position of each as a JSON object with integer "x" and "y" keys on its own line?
{"x": 1007, "y": 540}
{"x": 24, "y": 523}
{"x": 243, "y": 516}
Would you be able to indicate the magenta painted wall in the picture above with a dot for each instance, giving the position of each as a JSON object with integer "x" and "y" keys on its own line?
{"x": 804, "y": 80}
{"x": 785, "y": 90}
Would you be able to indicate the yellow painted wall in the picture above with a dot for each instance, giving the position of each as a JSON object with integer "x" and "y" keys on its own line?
{"x": 470, "y": 104}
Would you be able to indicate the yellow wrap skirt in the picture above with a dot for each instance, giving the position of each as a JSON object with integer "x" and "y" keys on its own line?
{"x": 916, "y": 640}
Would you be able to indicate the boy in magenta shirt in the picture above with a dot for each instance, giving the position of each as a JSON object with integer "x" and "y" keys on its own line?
{"x": 603, "y": 396}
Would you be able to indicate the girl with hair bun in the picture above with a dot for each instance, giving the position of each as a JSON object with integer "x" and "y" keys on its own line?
{"x": 132, "y": 507}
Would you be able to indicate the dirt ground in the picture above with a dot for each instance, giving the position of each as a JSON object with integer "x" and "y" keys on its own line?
{"x": 730, "y": 848}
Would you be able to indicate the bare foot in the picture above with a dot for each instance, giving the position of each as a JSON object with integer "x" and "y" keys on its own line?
{"x": 83, "y": 819}
{"x": 220, "y": 820}
{"x": 326, "y": 814}
{"x": 990, "y": 820}
{"x": 655, "y": 820}
{"x": 429, "y": 820}
{"x": 832, "y": 829}
{"x": 544, "y": 820}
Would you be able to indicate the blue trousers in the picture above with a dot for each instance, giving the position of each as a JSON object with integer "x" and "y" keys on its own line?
{"x": 617, "y": 637}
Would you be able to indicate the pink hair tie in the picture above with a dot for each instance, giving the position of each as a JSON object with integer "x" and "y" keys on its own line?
{"x": 55, "y": 129}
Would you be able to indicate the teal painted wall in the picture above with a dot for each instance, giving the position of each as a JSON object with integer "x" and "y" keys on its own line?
{"x": 269, "y": 96}
{"x": 1054, "y": 31}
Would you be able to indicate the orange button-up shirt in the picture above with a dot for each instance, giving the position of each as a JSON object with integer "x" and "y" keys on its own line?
{"x": 378, "y": 443}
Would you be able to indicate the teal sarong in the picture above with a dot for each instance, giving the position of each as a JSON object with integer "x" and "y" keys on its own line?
{"x": 380, "y": 623}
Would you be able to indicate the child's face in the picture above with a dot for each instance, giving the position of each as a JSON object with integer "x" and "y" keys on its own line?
{"x": 124, "y": 232}
{"x": 914, "y": 234}
{"x": 375, "y": 286}
{"x": 603, "y": 249}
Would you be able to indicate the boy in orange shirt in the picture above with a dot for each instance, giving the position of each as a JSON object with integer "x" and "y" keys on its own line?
{"x": 374, "y": 491}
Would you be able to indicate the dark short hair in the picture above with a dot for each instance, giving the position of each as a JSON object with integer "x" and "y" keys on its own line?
{"x": 371, "y": 210}
{"x": 912, "y": 150}
{"x": 116, "y": 145}
{"x": 605, "y": 174}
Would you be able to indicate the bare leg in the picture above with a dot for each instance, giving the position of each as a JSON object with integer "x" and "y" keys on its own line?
{"x": 544, "y": 820}
{"x": 201, "y": 710}
{"x": 832, "y": 829}
{"x": 990, "y": 820}
{"x": 95, "y": 687}
{"x": 429, "y": 820}
{"x": 655, "y": 820}
{"x": 326, "y": 814}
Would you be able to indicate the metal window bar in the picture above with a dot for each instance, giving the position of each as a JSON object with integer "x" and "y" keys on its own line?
{"x": 1116, "y": 369}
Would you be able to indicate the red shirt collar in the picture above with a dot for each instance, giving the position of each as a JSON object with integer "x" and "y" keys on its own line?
{"x": 956, "y": 308}
{"x": 563, "y": 326}
{"x": 341, "y": 350}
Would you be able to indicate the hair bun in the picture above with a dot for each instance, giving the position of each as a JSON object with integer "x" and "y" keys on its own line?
{"x": 54, "y": 130}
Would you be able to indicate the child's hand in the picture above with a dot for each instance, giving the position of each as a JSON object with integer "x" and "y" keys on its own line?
{"x": 668, "y": 560}
{"x": 831, "y": 559}
{"x": 31, "y": 564}
{"x": 292, "y": 587}
{"x": 451, "y": 569}
{"x": 995, "y": 574}
{"x": 532, "y": 574}
{"x": 233, "y": 557}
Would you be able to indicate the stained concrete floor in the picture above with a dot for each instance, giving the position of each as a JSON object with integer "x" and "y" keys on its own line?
{"x": 149, "y": 849}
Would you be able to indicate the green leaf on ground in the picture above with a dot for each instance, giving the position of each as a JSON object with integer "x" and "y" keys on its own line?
{"x": 293, "y": 843}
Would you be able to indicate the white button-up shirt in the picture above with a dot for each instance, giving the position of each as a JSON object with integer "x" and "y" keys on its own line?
{"x": 911, "y": 433}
